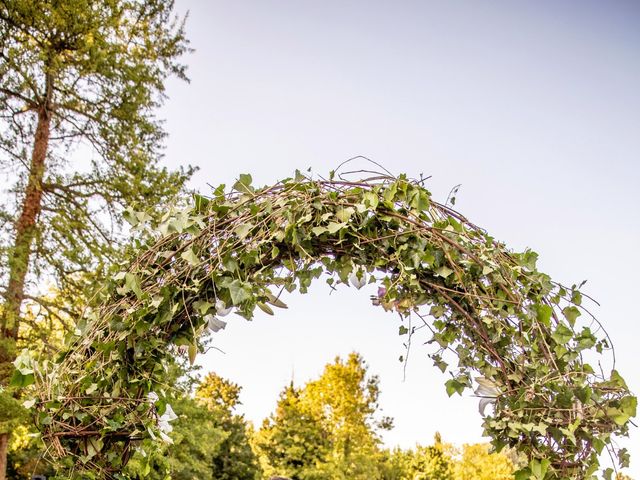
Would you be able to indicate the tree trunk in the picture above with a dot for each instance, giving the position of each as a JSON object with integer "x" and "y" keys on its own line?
{"x": 4, "y": 445}
{"x": 25, "y": 231}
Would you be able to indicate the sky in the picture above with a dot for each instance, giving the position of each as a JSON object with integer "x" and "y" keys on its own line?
{"x": 533, "y": 107}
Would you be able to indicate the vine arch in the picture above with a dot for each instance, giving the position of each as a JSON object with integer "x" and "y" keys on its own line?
{"x": 517, "y": 336}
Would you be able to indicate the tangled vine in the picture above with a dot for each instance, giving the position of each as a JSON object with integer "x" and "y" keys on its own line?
{"x": 519, "y": 338}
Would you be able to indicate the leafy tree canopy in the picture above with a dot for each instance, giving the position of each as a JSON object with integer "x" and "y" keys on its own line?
{"x": 327, "y": 429}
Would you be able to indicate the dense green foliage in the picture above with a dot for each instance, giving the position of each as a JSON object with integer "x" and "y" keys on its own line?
{"x": 234, "y": 459}
{"x": 491, "y": 312}
{"x": 325, "y": 430}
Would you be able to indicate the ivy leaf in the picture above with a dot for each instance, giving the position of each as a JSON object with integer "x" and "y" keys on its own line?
{"x": 344, "y": 214}
{"x": 571, "y": 314}
{"x": 200, "y": 202}
{"x": 94, "y": 445}
{"x": 444, "y": 271}
{"x": 629, "y": 405}
{"x": 454, "y": 386}
{"x": 191, "y": 257}
{"x": 243, "y": 185}
{"x": 92, "y": 388}
{"x": 132, "y": 282}
{"x": 239, "y": 292}
{"x": 543, "y": 314}
{"x": 202, "y": 306}
{"x": 130, "y": 216}
{"x": 438, "y": 362}
{"x": 370, "y": 200}
{"x": 333, "y": 227}
{"x": 562, "y": 334}
{"x": 20, "y": 380}
{"x": 243, "y": 230}
{"x": 623, "y": 457}
{"x": 214, "y": 323}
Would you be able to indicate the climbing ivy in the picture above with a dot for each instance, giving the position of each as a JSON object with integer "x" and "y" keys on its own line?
{"x": 498, "y": 324}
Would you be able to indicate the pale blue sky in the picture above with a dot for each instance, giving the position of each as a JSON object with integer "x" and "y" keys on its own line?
{"x": 534, "y": 107}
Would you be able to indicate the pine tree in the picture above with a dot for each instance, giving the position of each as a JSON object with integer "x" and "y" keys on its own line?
{"x": 80, "y": 82}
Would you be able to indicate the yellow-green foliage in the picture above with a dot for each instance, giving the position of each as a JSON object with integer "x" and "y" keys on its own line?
{"x": 326, "y": 429}
{"x": 475, "y": 462}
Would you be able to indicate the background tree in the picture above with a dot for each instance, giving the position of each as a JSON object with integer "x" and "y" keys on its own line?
{"x": 79, "y": 142}
{"x": 327, "y": 429}
{"x": 233, "y": 459}
{"x": 431, "y": 462}
{"x": 196, "y": 440}
{"x": 476, "y": 462}
{"x": 292, "y": 442}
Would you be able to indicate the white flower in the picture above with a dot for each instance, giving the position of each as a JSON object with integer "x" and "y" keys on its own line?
{"x": 214, "y": 324}
{"x": 488, "y": 391}
{"x": 358, "y": 279}
{"x": 152, "y": 397}
{"x": 163, "y": 423}
{"x": 221, "y": 309}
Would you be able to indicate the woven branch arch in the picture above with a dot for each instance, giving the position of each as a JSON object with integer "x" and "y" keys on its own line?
{"x": 515, "y": 335}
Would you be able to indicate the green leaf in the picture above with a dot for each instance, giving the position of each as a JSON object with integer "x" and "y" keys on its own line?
{"x": 344, "y": 214}
{"x": 317, "y": 231}
{"x": 92, "y": 388}
{"x": 454, "y": 386}
{"x": 617, "y": 380}
{"x": 193, "y": 351}
{"x": 200, "y": 202}
{"x": 623, "y": 457}
{"x": 629, "y": 405}
{"x": 238, "y": 292}
{"x": 243, "y": 185}
{"x": 370, "y": 200}
{"x": 543, "y": 314}
{"x": 275, "y": 301}
{"x": 402, "y": 330}
{"x": 132, "y": 282}
{"x": 539, "y": 468}
{"x": 20, "y": 380}
{"x": 130, "y": 216}
{"x": 571, "y": 314}
{"x": 94, "y": 445}
{"x": 522, "y": 474}
{"x": 265, "y": 308}
{"x": 333, "y": 227}
{"x": 191, "y": 257}
{"x": 243, "y": 230}
{"x": 562, "y": 334}
{"x": 202, "y": 306}
{"x": 444, "y": 271}
{"x": 576, "y": 297}
{"x": 421, "y": 200}
{"x": 438, "y": 362}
